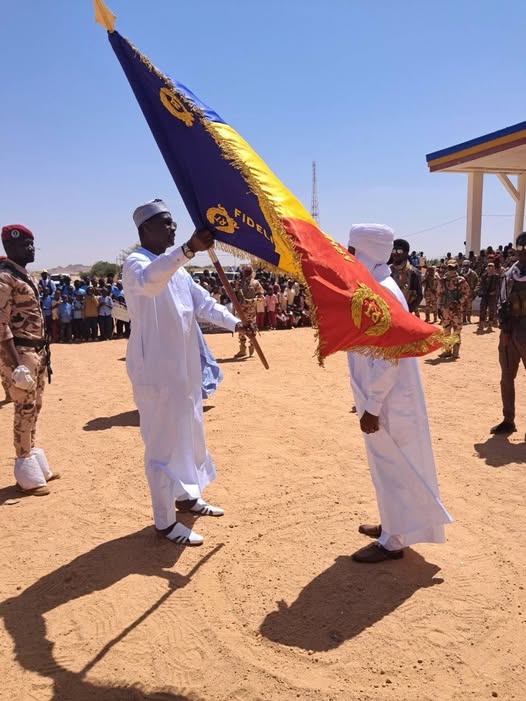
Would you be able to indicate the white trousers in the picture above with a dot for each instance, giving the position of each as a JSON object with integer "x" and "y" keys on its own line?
{"x": 176, "y": 461}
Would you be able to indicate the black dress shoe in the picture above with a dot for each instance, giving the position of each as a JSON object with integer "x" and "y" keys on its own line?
{"x": 504, "y": 428}
{"x": 376, "y": 553}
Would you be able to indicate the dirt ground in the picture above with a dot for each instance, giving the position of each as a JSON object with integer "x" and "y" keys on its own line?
{"x": 96, "y": 608}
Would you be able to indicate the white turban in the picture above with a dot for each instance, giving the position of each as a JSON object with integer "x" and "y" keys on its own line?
{"x": 148, "y": 210}
{"x": 373, "y": 244}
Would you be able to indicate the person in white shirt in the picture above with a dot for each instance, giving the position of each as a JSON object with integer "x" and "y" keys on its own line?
{"x": 390, "y": 403}
{"x": 164, "y": 367}
{"x": 291, "y": 293}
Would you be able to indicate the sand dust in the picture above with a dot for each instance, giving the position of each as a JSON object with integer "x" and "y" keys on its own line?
{"x": 96, "y": 608}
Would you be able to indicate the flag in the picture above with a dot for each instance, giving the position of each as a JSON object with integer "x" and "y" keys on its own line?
{"x": 227, "y": 188}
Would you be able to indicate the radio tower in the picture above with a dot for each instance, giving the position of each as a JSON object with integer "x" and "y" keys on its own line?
{"x": 315, "y": 212}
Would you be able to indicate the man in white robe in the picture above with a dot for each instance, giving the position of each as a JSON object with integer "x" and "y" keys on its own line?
{"x": 164, "y": 367}
{"x": 390, "y": 403}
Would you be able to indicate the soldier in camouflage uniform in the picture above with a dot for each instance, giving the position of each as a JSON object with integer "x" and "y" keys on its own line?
{"x": 406, "y": 275}
{"x": 430, "y": 283}
{"x": 488, "y": 290}
{"x": 23, "y": 356}
{"x": 454, "y": 292}
{"x": 247, "y": 292}
{"x": 471, "y": 277}
{"x": 512, "y": 343}
{"x": 5, "y": 383}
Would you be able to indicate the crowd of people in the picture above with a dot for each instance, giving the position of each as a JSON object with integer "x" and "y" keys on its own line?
{"x": 279, "y": 301}
{"x": 83, "y": 310}
{"x": 446, "y": 290}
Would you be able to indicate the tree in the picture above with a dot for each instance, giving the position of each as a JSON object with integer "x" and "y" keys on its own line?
{"x": 102, "y": 269}
{"x": 126, "y": 252}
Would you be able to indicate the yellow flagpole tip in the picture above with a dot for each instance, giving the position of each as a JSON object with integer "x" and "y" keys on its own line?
{"x": 103, "y": 15}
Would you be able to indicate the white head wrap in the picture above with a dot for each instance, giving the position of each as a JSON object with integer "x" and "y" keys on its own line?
{"x": 373, "y": 244}
{"x": 148, "y": 210}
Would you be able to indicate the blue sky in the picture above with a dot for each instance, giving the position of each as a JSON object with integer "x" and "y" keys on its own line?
{"x": 366, "y": 88}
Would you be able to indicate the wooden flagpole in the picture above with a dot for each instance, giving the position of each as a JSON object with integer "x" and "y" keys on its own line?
{"x": 236, "y": 303}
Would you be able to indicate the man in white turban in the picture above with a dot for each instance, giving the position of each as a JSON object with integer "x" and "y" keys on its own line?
{"x": 390, "y": 403}
{"x": 164, "y": 367}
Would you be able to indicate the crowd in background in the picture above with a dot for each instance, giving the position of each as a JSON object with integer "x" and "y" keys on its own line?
{"x": 280, "y": 304}
{"x": 82, "y": 310}
{"x": 85, "y": 309}
{"x": 483, "y": 273}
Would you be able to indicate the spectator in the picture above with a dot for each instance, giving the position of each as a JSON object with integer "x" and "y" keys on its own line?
{"x": 283, "y": 297}
{"x": 91, "y": 314}
{"x": 55, "y": 323}
{"x": 46, "y": 283}
{"x": 65, "y": 317}
{"x": 283, "y": 321}
{"x": 260, "y": 311}
{"x": 77, "y": 324}
{"x": 46, "y": 303}
{"x": 105, "y": 317}
{"x": 292, "y": 291}
{"x": 271, "y": 301}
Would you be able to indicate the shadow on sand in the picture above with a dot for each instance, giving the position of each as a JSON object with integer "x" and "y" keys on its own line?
{"x": 439, "y": 361}
{"x": 232, "y": 360}
{"x": 345, "y": 600}
{"x": 126, "y": 418}
{"x": 140, "y": 553}
{"x": 498, "y": 451}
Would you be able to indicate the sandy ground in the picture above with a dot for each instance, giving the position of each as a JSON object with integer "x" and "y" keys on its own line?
{"x": 96, "y": 608}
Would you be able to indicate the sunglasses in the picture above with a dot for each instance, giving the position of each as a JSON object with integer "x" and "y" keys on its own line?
{"x": 521, "y": 247}
{"x": 398, "y": 250}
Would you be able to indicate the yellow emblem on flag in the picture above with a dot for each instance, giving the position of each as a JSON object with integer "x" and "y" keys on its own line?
{"x": 221, "y": 219}
{"x": 365, "y": 301}
{"x": 174, "y": 105}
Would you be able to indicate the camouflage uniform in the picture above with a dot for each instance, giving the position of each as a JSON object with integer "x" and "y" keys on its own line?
{"x": 5, "y": 385}
{"x": 248, "y": 290}
{"x": 471, "y": 277}
{"x": 431, "y": 282}
{"x": 489, "y": 289}
{"x": 454, "y": 292}
{"x": 409, "y": 281}
{"x": 21, "y": 318}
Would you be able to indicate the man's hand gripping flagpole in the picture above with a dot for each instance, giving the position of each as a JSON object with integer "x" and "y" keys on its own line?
{"x": 250, "y": 328}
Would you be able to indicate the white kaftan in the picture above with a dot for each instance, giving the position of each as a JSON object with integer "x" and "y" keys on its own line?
{"x": 400, "y": 454}
{"x": 164, "y": 367}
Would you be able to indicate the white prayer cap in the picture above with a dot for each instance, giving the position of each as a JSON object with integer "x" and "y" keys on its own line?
{"x": 374, "y": 241}
{"x": 148, "y": 210}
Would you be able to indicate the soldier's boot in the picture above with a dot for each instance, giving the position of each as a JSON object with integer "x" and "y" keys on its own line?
{"x": 490, "y": 327}
{"x": 428, "y": 317}
{"x": 445, "y": 354}
{"x": 435, "y": 318}
{"x": 242, "y": 348}
{"x": 44, "y": 465}
{"x": 29, "y": 476}
{"x": 250, "y": 350}
{"x": 456, "y": 351}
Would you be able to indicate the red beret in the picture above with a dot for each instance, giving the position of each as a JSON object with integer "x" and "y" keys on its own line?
{"x": 15, "y": 231}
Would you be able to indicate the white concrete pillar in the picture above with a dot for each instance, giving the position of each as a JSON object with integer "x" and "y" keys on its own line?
{"x": 519, "y": 205}
{"x": 474, "y": 212}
